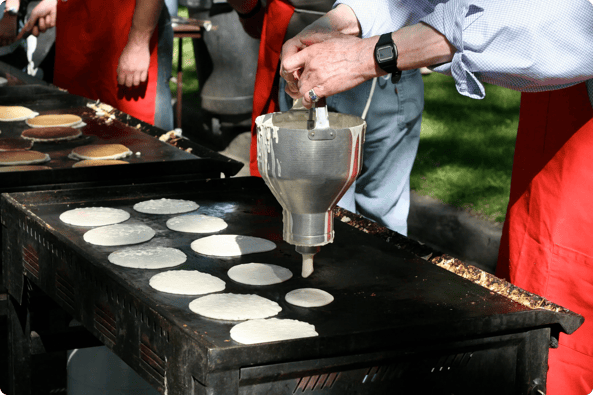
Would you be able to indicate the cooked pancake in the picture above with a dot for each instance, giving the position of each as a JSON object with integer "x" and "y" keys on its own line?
{"x": 101, "y": 151}
{"x": 15, "y": 113}
{"x": 14, "y": 144}
{"x": 12, "y": 158}
{"x": 43, "y": 135}
{"x": 99, "y": 162}
{"x": 7, "y": 169}
{"x": 52, "y": 120}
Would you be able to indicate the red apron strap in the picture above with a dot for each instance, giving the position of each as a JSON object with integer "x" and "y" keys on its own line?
{"x": 265, "y": 98}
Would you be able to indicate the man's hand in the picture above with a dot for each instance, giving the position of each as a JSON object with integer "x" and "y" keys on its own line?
{"x": 337, "y": 25}
{"x": 43, "y": 17}
{"x": 329, "y": 66}
{"x": 132, "y": 69}
{"x": 7, "y": 30}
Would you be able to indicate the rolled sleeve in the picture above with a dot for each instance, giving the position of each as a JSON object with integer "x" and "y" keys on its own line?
{"x": 522, "y": 45}
{"x": 372, "y": 19}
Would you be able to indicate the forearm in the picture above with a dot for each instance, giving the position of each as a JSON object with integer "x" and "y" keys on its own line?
{"x": 421, "y": 45}
{"x": 146, "y": 16}
{"x": 418, "y": 46}
{"x": 340, "y": 19}
{"x": 12, "y": 4}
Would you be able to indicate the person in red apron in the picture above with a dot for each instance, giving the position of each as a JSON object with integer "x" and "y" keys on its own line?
{"x": 269, "y": 25}
{"x": 547, "y": 247}
{"x": 109, "y": 50}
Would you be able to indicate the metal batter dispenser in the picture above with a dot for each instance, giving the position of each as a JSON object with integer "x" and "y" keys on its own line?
{"x": 309, "y": 159}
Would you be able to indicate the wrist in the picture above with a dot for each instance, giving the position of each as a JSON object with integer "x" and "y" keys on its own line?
{"x": 139, "y": 38}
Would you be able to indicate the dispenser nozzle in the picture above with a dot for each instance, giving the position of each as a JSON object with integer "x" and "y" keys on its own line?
{"x": 308, "y": 253}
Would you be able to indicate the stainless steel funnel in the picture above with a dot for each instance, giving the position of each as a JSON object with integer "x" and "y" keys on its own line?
{"x": 308, "y": 171}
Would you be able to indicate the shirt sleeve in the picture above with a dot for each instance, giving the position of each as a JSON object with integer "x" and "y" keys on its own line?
{"x": 523, "y": 45}
{"x": 385, "y": 16}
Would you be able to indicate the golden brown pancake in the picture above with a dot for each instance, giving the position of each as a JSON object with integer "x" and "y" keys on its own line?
{"x": 14, "y": 144}
{"x": 13, "y": 158}
{"x": 15, "y": 113}
{"x": 52, "y": 120}
{"x": 99, "y": 162}
{"x": 7, "y": 169}
{"x": 49, "y": 134}
{"x": 101, "y": 151}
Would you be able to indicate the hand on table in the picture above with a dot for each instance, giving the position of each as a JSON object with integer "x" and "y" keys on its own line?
{"x": 42, "y": 17}
{"x": 132, "y": 69}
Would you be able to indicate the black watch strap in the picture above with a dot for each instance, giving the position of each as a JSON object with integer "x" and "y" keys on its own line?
{"x": 385, "y": 45}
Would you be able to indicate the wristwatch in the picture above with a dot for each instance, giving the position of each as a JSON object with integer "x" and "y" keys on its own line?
{"x": 386, "y": 56}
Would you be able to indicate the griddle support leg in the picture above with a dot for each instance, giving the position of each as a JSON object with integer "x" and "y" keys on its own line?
{"x": 19, "y": 346}
{"x": 222, "y": 383}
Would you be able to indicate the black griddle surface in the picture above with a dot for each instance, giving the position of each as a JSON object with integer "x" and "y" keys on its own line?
{"x": 155, "y": 158}
{"x": 96, "y": 132}
{"x": 383, "y": 296}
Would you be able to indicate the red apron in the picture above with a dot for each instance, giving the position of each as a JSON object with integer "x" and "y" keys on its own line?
{"x": 547, "y": 242}
{"x": 90, "y": 37}
{"x": 265, "y": 97}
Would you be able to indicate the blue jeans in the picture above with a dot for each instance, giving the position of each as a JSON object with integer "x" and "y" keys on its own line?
{"x": 382, "y": 190}
{"x": 163, "y": 116}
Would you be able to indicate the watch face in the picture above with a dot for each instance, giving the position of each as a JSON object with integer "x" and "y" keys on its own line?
{"x": 385, "y": 54}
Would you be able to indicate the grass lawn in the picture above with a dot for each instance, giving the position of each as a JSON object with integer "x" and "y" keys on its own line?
{"x": 466, "y": 146}
{"x": 190, "y": 76}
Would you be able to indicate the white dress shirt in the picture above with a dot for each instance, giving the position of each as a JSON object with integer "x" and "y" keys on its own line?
{"x": 524, "y": 45}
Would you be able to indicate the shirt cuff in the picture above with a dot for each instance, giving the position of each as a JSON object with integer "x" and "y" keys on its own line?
{"x": 365, "y": 14}
{"x": 451, "y": 19}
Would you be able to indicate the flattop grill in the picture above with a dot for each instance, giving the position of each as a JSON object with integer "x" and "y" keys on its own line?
{"x": 398, "y": 322}
{"x": 158, "y": 161}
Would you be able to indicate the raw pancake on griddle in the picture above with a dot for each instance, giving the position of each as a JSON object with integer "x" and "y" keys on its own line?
{"x": 147, "y": 257}
{"x": 271, "y": 330}
{"x": 14, "y": 144}
{"x": 231, "y": 245}
{"x": 54, "y": 120}
{"x": 94, "y": 216}
{"x": 186, "y": 282}
{"x": 196, "y": 223}
{"x": 166, "y": 206}
{"x": 234, "y": 307}
{"x": 15, "y": 113}
{"x": 99, "y": 162}
{"x": 119, "y": 234}
{"x": 100, "y": 151}
{"x": 309, "y": 297}
{"x": 16, "y": 158}
{"x": 8, "y": 169}
{"x": 259, "y": 274}
{"x": 51, "y": 134}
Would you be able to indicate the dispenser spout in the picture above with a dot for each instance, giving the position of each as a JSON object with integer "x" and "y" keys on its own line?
{"x": 308, "y": 253}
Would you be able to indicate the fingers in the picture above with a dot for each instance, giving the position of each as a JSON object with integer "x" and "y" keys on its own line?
{"x": 131, "y": 78}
